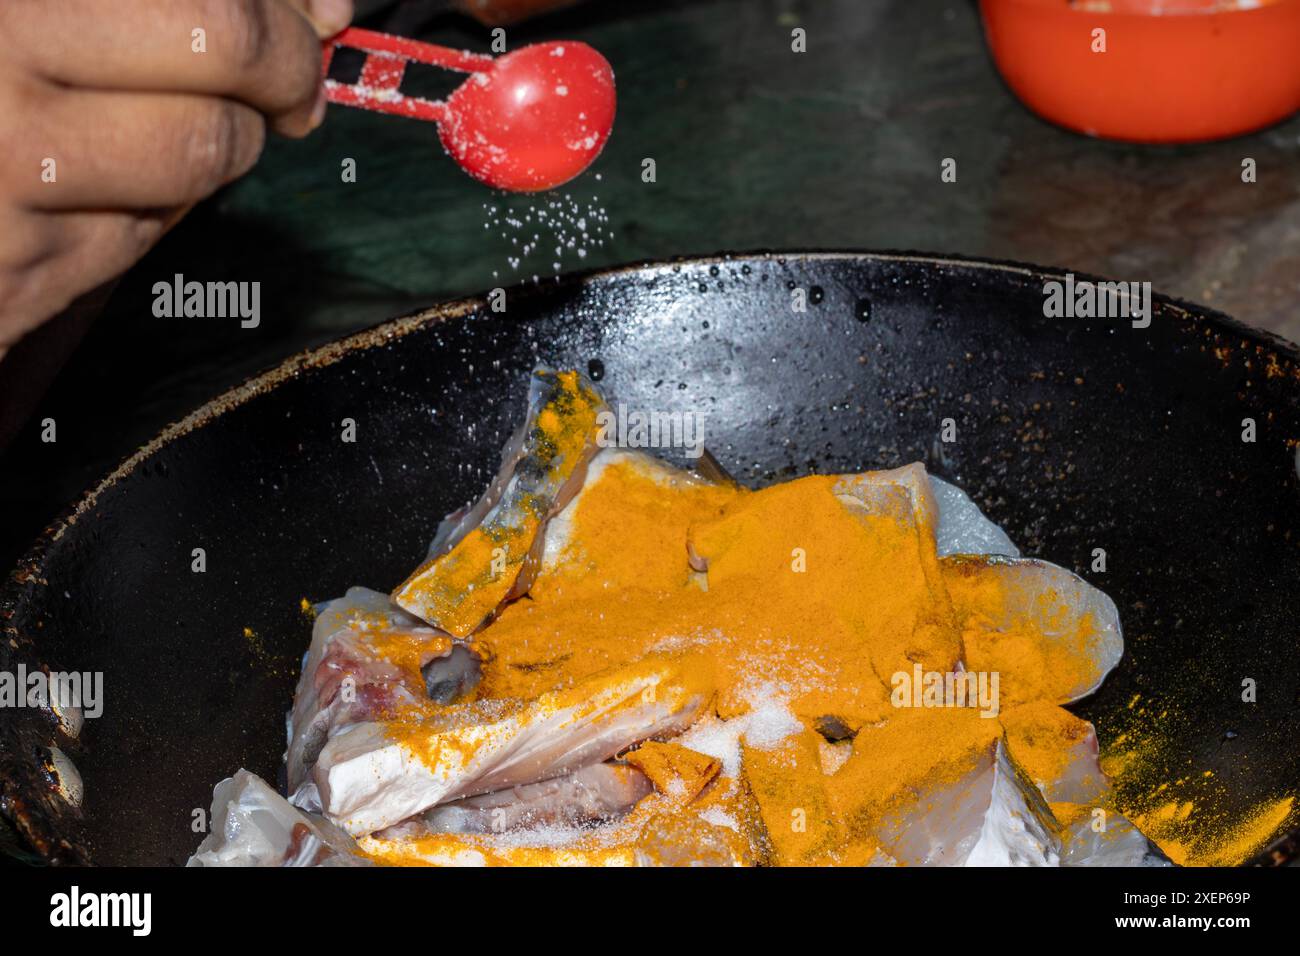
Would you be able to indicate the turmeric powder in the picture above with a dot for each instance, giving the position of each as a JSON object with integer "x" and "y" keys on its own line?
{"x": 803, "y": 601}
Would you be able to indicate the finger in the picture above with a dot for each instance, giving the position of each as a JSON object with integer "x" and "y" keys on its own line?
{"x": 327, "y": 16}
{"x": 261, "y": 52}
{"x": 104, "y": 150}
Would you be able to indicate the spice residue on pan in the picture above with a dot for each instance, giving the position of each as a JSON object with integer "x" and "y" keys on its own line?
{"x": 1185, "y": 809}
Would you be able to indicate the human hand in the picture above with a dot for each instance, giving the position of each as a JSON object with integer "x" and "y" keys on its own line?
{"x": 116, "y": 117}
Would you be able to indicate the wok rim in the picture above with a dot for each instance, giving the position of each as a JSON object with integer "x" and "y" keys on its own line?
{"x": 38, "y": 835}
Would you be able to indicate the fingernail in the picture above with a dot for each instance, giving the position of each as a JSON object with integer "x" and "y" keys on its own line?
{"x": 318, "y": 111}
{"x": 331, "y": 16}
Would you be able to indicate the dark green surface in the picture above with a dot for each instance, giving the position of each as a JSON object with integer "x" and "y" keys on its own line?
{"x": 755, "y": 146}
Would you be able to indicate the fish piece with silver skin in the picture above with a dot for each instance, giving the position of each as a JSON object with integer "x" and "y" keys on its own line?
{"x": 990, "y": 816}
{"x": 1106, "y": 839}
{"x": 1100, "y": 836}
{"x": 348, "y": 675}
{"x": 488, "y": 555}
{"x": 373, "y": 775}
{"x": 252, "y": 825}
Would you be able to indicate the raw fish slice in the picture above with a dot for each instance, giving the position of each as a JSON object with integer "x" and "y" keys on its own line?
{"x": 678, "y": 772}
{"x": 365, "y": 659}
{"x": 561, "y": 530}
{"x": 602, "y": 791}
{"x": 376, "y": 774}
{"x": 788, "y": 786}
{"x": 688, "y": 839}
{"x": 990, "y": 816}
{"x": 252, "y": 825}
{"x": 1119, "y": 844}
{"x": 490, "y": 554}
{"x": 1078, "y": 790}
{"x": 997, "y": 597}
{"x": 905, "y": 495}
{"x": 962, "y": 528}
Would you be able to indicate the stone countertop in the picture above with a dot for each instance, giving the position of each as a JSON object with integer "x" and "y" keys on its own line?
{"x": 755, "y": 147}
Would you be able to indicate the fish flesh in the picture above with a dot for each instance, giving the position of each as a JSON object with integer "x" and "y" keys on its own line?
{"x": 1109, "y": 840}
{"x": 1079, "y": 793}
{"x": 367, "y": 657}
{"x": 561, "y": 532}
{"x": 252, "y": 825}
{"x": 488, "y": 555}
{"x": 375, "y": 774}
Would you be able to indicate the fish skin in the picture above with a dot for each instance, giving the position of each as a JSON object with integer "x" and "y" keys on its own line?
{"x": 962, "y": 527}
{"x": 376, "y": 774}
{"x": 1121, "y": 843}
{"x": 489, "y": 555}
{"x": 990, "y": 816}
{"x": 1042, "y": 588}
{"x": 252, "y": 825}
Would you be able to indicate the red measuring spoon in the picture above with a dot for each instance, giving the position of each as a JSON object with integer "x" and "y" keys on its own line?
{"x": 526, "y": 121}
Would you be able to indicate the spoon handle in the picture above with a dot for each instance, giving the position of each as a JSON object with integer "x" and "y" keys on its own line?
{"x": 378, "y": 87}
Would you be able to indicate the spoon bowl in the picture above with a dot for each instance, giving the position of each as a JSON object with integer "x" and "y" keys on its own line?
{"x": 534, "y": 120}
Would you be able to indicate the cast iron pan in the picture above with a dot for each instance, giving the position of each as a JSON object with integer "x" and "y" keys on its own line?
{"x": 1073, "y": 434}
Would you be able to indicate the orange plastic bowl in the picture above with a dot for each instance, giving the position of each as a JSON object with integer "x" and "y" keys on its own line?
{"x": 1172, "y": 72}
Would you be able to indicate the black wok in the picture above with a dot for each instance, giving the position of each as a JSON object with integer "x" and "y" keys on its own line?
{"x": 1074, "y": 434}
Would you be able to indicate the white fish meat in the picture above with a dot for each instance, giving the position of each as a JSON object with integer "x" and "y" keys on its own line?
{"x": 1110, "y": 840}
{"x": 376, "y": 774}
{"x": 1100, "y": 836}
{"x": 561, "y": 529}
{"x": 351, "y": 674}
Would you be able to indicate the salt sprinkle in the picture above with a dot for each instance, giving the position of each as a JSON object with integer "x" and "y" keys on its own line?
{"x": 567, "y": 224}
